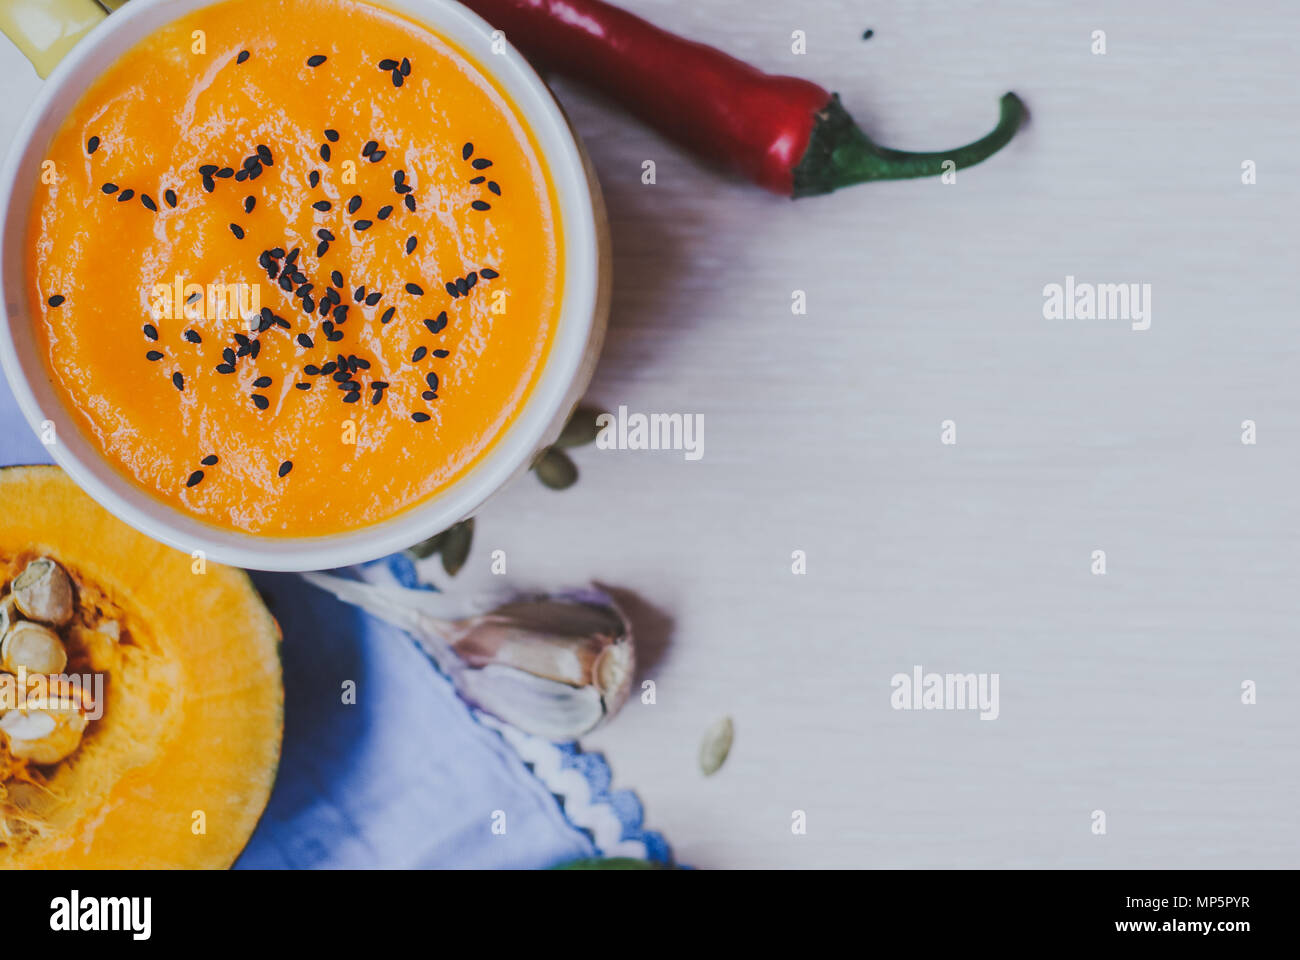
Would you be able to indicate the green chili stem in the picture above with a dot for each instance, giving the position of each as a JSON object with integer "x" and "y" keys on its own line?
{"x": 840, "y": 154}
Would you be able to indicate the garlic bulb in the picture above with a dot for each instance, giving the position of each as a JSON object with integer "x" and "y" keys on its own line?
{"x": 555, "y": 665}
{"x": 44, "y": 592}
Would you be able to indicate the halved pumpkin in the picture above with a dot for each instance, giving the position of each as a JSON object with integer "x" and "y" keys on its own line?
{"x": 179, "y": 766}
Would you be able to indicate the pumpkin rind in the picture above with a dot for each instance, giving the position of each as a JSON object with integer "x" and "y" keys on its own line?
{"x": 212, "y": 701}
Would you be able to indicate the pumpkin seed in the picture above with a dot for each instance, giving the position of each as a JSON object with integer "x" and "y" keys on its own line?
{"x": 427, "y": 548}
{"x": 555, "y": 469}
{"x": 715, "y": 746}
{"x": 455, "y": 546}
{"x": 44, "y": 592}
{"x": 44, "y": 733}
{"x": 581, "y": 428}
{"x": 33, "y": 647}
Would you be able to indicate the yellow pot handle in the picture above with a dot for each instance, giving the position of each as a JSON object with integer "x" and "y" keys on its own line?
{"x": 44, "y": 30}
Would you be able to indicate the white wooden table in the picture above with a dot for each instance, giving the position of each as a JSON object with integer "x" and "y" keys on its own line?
{"x": 1120, "y": 692}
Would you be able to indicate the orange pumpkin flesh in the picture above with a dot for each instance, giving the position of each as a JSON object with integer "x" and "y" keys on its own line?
{"x": 180, "y": 766}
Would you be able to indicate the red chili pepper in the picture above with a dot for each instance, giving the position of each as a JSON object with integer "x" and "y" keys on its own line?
{"x": 786, "y": 134}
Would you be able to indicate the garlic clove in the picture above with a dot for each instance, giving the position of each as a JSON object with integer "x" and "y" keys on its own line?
{"x": 555, "y": 665}
{"x": 44, "y": 592}
{"x": 45, "y": 733}
{"x": 33, "y": 647}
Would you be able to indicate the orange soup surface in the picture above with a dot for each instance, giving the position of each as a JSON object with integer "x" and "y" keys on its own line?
{"x": 298, "y": 265}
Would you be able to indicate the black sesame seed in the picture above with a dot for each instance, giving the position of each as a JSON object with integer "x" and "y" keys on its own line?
{"x": 398, "y": 177}
{"x": 195, "y": 478}
{"x": 406, "y": 67}
{"x": 325, "y": 152}
{"x": 477, "y": 180}
{"x": 419, "y": 417}
{"x": 311, "y": 370}
{"x": 92, "y": 145}
{"x": 370, "y": 147}
{"x": 250, "y": 162}
{"x": 335, "y": 336}
{"x": 316, "y": 61}
{"x": 435, "y": 326}
{"x": 179, "y": 380}
{"x": 462, "y": 286}
{"x": 305, "y": 341}
{"x": 432, "y": 380}
{"x": 387, "y": 315}
{"x": 193, "y": 336}
{"x": 387, "y": 64}
{"x": 249, "y": 203}
{"x": 254, "y": 348}
{"x": 384, "y": 211}
{"x": 56, "y": 300}
{"x": 210, "y": 460}
{"x": 402, "y": 188}
{"x": 170, "y": 197}
{"x": 373, "y": 299}
{"x": 482, "y": 163}
{"x": 260, "y": 401}
{"x": 494, "y": 187}
{"x": 340, "y": 313}
{"x": 322, "y": 248}
{"x": 325, "y": 234}
{"x": 254, "y": 171}
{"x": 360, "y": 363}
{"x": 109, "y": 188}
{"x": 488, "y": 273}
{"x": 303, "y": 386}
{"x": 243, "y": 55}
{"x": 336, "y": 278}
{"x": 291, "y": 256}
{"x": 451, "y": 289}
{"x": 276, "y": 252}
{"x": 241, "y": 175}
{"x": 308, "y": 304}
{"x": 415, "y": 290}
{"x": 237, "y": 230}
{"x": 410, "y": 244}
{"x": 286, "y": 282}
{"x": 441, "y": 353}
{"x": 151, "y": 331}
{"x": 286, "y": 467}
{"x": 397, "y": 78}
{"x": 264, "y": 154}
{"x": 209, "y": 184}
{"x": 481, "y": 205}
{"x": 466, "y": 151}
{"x": 332, "y": 135}
{"x": 125, "y": 195}
{"x": 471, "y": 279}
{"x": 359, "y": 294}
{"x": 354, "y": 204}
{"x": 153, "y": 355}
{"x": 410, "y": 202}
{"x": 429, "y": 395}
{"x": 208, "y": 169}
{"x": 262, "y": 382}
{"x": 225, "y": 368}
{"x": 377, "y": 156}
{"x": 361, "y": 225}
{"x": 419, "y": 354}
{"x": 225, "y": 173}
{"x": 321, "y": 205}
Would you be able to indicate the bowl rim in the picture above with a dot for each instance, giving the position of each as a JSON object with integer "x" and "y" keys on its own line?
{"x": 510, "y": 452}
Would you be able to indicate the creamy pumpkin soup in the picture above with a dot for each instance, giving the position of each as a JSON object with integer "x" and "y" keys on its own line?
{"x": 299, "y": 264}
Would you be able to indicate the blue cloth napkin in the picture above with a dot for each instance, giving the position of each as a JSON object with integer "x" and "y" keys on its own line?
{"x": 408, "y": 775}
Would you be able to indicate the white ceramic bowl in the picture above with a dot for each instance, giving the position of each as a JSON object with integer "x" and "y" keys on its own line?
{"x": 561, "y": 384}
